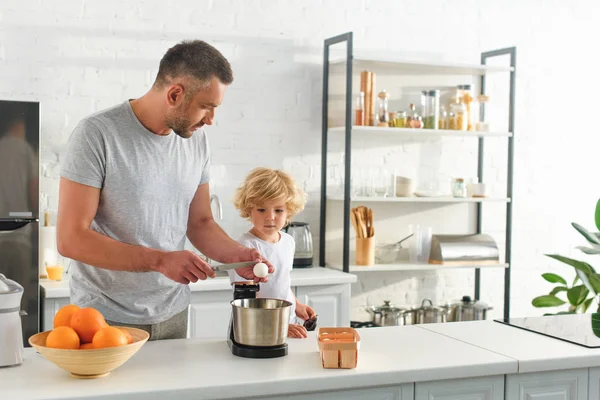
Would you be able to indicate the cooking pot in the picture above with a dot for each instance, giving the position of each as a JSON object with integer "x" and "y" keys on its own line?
{"x": 387, "y": 314}
{"x": 467, "y": 310}
{"x": 260, "y": 322}
{"x": 429, "y": 314}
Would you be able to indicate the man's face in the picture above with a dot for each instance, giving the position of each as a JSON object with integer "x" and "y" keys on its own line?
{"x": 196, "y": 109}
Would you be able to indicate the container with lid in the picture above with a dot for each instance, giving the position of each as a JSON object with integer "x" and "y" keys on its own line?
{"x": 383, "y": 116}
{"x": 467, "y": 310}
{"x": 387, "y": 314}
{"x": 430, "y": 100}
{"x": 429, "y": 314}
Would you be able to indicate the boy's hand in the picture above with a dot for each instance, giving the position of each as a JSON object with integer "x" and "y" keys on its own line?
{"x": 297, "y": 331}
{"x": 304, "y": 312}
{"x": 249, "y": 254}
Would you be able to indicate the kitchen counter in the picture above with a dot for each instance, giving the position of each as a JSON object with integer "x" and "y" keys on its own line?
{"x": 300, "y": 277}
{"x": 205, "y": 369}
{"x": 535, "y": 352}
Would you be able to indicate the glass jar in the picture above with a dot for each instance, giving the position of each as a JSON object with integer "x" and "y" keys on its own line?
{"x": 443, "y": 122}
{"x": 359, "y": 113}
{"x": 400, "y": 119}
{"x": 430, "y": 99}
{"x": 459, "y": 188}
{"x": 460, "y": 116}
{"x": 478, "y": 109}
{"x": 465, "y": 96}
{"x": 383, "y": 116}
{"x": 414, "y": 120}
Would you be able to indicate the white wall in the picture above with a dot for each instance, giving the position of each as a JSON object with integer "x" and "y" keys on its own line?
{"x": 79, "y": 56}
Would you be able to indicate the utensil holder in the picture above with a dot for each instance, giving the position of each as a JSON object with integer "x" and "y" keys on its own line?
{"x": 365, "y": 251}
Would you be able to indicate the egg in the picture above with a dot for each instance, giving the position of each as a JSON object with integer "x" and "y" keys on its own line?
{"x": 261, "y": 270}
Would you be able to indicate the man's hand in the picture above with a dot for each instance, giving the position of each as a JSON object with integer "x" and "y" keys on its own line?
{"x": 184, "y": 267}
{"x": 249, "y": 254}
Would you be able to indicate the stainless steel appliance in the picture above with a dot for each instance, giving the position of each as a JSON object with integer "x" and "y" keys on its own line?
{"x": 580, "y": 329}
{"x": 19, "y": 209}
{"x": 258, "y": 327}
{"x": 11, "y": 334}
{"x": 300, "y": 231}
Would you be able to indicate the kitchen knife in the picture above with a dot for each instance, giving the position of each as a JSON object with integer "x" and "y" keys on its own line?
{"x": 227, "y": 267}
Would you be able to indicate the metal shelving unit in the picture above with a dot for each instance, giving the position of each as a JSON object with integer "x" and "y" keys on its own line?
{"x": 346, "y": 65}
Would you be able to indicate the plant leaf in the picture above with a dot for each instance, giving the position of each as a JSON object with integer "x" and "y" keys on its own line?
{"x": 589, "y": 237}
{"x": 553, "y": 278}
{"x": 565, "y": 312}
{"x": 575, "y": 280}
{"x": 595, "y": 282}
{"x": 597, "y": 215}
{"x": 577, "y": 295}
{"x": 547, "y": 301}
{"x": 596, "y": 324}
{"x": 589, "y": 250}
{"x": 586, "y": 304}
{"x": 581, "y": 268}
{"x": 557, "y": 290}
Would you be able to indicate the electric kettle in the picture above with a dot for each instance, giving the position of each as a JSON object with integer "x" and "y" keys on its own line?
{"x": 303, "y": 255}
{"x": 11, "y": 332}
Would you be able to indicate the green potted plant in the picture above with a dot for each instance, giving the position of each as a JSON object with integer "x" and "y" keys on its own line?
{"x": 579, "y": 296}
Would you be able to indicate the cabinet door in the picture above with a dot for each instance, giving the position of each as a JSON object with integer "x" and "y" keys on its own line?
{"x": 555, "y": 385}
{"x": 210, "y": 313}
{"x": 594, "y": 383}
{"x": 330, "y": 302}
{"x": 488, "y": 388}
{"x": 403, "y": 392}
{"x": 49, "y": 309}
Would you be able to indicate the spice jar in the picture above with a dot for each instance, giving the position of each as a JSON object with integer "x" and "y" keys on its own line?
{"x": 460, "y": 116}
{"x": 392, "y": 118}
{"x": 459, "y": 188}
{"x": 414, "y": 120}
{"x": 383, "y": 109}
{"x": 464, "y": 96}
{"x": 430, "y": 100}
{"x": 400, "y": 121}
{"x": 359, "y": 113}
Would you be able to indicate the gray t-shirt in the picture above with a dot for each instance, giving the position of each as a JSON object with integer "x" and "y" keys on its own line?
{"x": 147, "y": 184}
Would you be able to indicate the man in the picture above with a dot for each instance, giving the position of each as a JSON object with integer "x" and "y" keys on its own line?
{"x": 134, "y": 184}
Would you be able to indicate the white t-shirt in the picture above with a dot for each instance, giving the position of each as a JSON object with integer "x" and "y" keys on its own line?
{"x": 281, "y": 256}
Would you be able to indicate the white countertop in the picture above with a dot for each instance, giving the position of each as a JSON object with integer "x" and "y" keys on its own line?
{"x": 300, "y": 277}
{"x": 535, "y": 352}
{"x": 206, "y": 369}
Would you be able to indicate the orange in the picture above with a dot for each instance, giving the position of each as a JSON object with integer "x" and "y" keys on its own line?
{"x": 109, "y": 337}
{"x": 63, "y": 337}
{"x": 86, "y": 346}
{"x": 127, "y": 335}
{"x": 64, "y": 315}
{"x": 86, "y": 322}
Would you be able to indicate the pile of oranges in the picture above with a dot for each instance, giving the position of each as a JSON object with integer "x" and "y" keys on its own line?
{"x": 84, "y": 328}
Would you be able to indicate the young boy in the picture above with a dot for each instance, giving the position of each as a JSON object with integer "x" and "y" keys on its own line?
{"x": 269, "y": 199}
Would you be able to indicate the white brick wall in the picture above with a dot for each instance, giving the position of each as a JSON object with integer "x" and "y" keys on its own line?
{"x": 79, "y": 56}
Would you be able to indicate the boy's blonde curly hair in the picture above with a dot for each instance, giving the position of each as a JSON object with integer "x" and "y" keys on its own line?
{"x": 266, "y": 184}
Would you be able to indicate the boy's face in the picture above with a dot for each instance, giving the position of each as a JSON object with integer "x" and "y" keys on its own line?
{"x": 270, "y": 217}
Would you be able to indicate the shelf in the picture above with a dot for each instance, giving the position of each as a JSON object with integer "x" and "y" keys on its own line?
{"x": 391, "y": 65}
{"x": 422, "y": 199}
{"x": 415, "y": 133}
{"x": 413, "y": 267}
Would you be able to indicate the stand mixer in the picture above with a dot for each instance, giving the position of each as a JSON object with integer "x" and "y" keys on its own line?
{"x": 258, "y": 327}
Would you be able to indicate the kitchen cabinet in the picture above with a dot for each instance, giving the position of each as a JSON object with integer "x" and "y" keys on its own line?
{"x": 403, "y": 392}
{"x": 487, "y": 388}
{"x": 555, "y": 385}
{"x": 49, "y": 309}
{"x": 330, "y": 302}
{"x": 210, "y": 313}
{"x": 594, "y": 383}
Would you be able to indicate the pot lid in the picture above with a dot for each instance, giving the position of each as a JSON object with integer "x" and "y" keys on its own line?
{"x": 467, "y": 302}
{"x": 429, "y": 307}
{"x": 386, "y": 307}
{"x": 8, "y": 286}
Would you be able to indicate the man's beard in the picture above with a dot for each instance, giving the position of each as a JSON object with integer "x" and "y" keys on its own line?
{"x": 181, "y": 125}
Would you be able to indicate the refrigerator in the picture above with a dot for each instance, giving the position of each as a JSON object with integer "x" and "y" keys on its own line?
{"x": 19, "y": 204}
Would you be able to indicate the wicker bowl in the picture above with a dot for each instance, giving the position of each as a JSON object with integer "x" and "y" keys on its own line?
{"x": 93, "y": 363}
